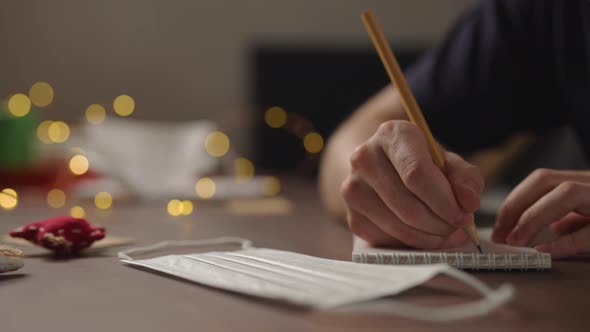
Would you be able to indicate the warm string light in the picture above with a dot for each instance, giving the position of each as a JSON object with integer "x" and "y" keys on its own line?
{"x": 19, "y": 105}
{"x": 8, "y": 199}
{"x": 50, "y": 132}
{"x": 41, "y": 94}
{"x": 43, "y": 132}
{"x": 95, "y": 114}
{"x": 243, "y": 170}
{"x": 205, "y": 188}
{"x": 58, "y": 132}
{"x": 77, "y": 212}
{"x": 177, "y": 207}
{"x": 217, "y": 144}
{"x": 103, "y": 200}
{"x": 56, "y": 198}
{"x": 79, "y": 164}
{"x": 276, "y": 117}
{"x": 313, "y": 143}
{"x": 187, "y": 207}
{"x": 271, "y": 186}
{"x": 124, "y": 105}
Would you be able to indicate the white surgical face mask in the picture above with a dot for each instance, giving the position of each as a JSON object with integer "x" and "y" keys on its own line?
{"x": 315, "y": 282}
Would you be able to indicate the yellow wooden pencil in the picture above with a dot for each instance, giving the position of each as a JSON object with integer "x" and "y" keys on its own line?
{"x": 410, "y": 105}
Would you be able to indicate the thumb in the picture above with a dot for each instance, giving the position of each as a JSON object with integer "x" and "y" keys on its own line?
{"x": 466, "y": 181}
{"x": 568, "y": 245}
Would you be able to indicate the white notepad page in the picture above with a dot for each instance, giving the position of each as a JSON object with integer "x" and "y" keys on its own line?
{"x": 494, "y": 257}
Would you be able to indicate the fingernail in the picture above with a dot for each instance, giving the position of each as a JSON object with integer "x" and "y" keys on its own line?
{"x": 543, "y": 248}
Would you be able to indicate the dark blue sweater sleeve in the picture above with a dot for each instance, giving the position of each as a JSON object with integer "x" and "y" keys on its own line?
{"x": 485, "y": 81}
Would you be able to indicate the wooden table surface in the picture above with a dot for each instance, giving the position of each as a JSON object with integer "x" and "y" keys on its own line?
{"x": 97, "y": 293}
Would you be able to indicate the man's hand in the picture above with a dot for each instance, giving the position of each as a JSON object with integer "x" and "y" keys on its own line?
{"x": 395, "y": 194}
{"x": 560, "y": 199}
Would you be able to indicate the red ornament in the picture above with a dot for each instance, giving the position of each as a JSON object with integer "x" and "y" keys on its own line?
{"x": 61, "y": 233}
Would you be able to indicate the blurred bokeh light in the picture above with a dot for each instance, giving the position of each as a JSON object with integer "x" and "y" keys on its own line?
{"x": 275, "y": 117}
{"x": 271, "y": 186}
{"x": 95, "y": 114}
{"x": 8, "y": 199}
{"x": 56, "y": 198}
{"x": 244, "y": 169}
{"x": 19, "y": 105}
{"x": 217, "y": 144}
{"x": 313, "y": 143}
{"x": 205, "y": 188}
{"x": 187, "y": 207}
{"x": 43, "y": 132}
{"x": 58, "y": 132}
{"x": 103, "y": 200}
{"x": 79, "y": 164}
{"x": 77, "y": 212}
{"x": 41, "y": 94}
{"x": 124, "y": 105}
{"x": 175, "y": 207}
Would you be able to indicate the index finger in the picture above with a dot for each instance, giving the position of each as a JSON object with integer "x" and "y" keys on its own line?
{"x": 407, "y": 149}
{"x": 565, "y": 198}
{"x": 536, "y": 185}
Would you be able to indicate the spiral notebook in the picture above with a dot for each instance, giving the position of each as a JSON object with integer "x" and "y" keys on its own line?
{"x": 494, "y": 257}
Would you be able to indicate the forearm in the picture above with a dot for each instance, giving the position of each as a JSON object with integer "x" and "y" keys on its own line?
{"x": 335, "y": 164}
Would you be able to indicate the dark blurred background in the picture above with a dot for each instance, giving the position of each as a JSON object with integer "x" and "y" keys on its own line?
{"x": 221, "y": 60}
{"x": 275, "y": 78}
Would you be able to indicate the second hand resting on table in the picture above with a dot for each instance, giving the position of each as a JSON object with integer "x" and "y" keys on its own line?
{"x": 393, "y": 194}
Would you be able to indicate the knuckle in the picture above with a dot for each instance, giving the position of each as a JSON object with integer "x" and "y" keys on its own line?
{"x": 411, "y": 172}
{"x": 350, "y": 189}
{"x": 542, "y": 176}
{"x": 405, "y": 128}
{"x": 569, "y": 188}
{"x": 386, "y": 128}
{"x": 397, "y": 128}
{"x": 360, "y": 157}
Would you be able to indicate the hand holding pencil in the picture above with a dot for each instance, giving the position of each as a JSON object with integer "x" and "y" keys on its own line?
{"x": 403, "y": 189}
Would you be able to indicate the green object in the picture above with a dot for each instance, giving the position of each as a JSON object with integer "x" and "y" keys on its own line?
{"x": 18, "y": 142}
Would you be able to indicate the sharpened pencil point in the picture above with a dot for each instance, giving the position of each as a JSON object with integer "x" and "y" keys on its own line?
{"x": 479, "y": 248}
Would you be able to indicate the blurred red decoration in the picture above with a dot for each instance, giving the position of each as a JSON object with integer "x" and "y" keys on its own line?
{"x": 62, "y": 234}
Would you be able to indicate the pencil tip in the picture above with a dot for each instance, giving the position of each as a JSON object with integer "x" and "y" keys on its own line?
{"x": 479, "y": 248}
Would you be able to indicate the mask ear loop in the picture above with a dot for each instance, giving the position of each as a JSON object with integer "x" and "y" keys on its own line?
{"x": 244, "y": 243}
{"x": 491, "y": 300}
